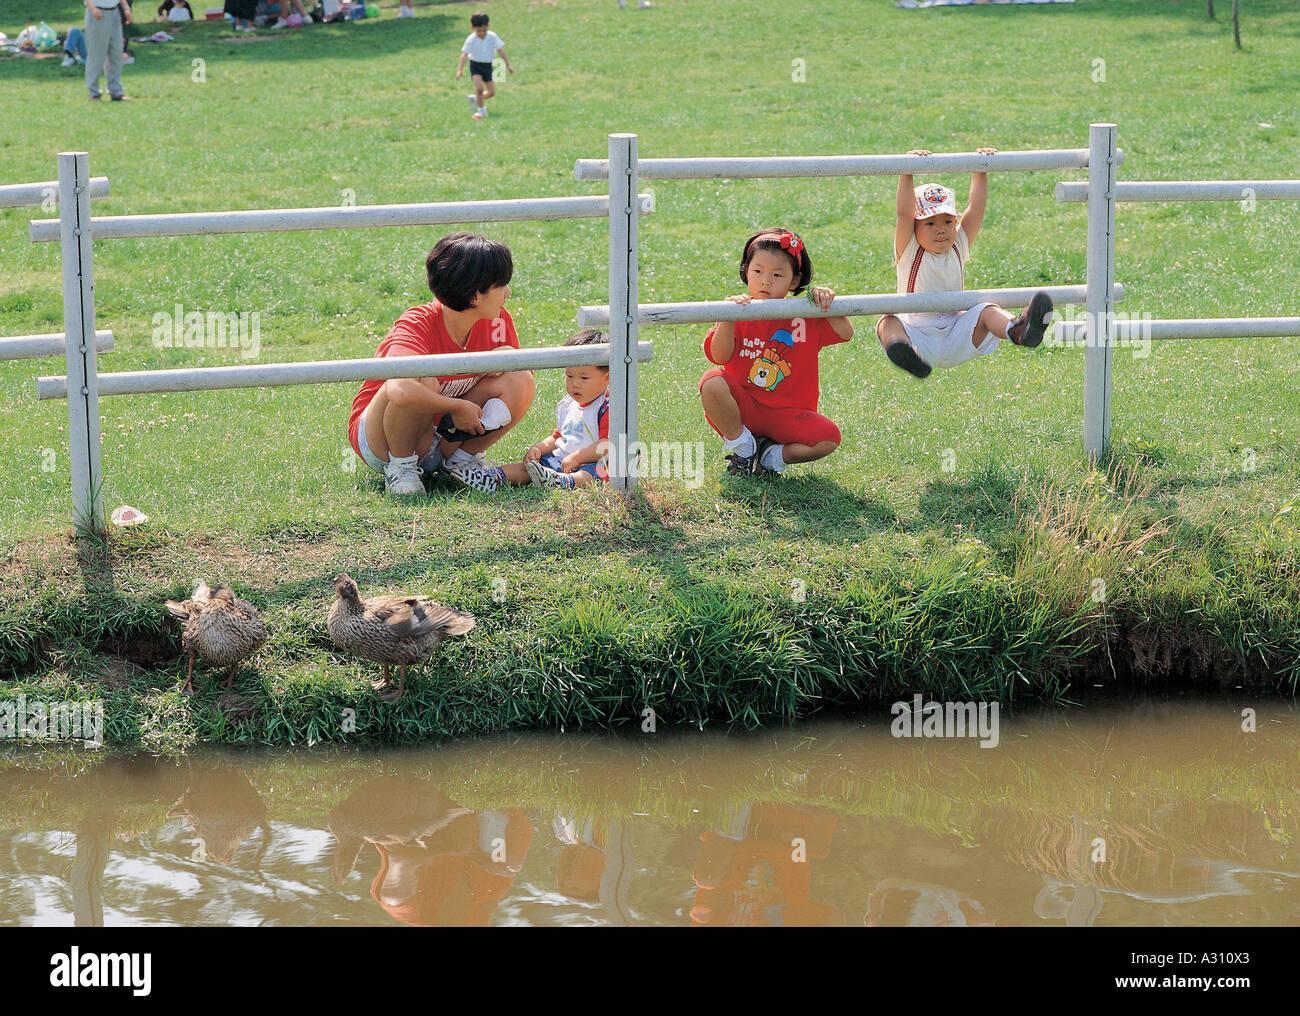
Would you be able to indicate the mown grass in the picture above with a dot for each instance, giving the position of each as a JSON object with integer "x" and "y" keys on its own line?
{"x": 683, "y": 597}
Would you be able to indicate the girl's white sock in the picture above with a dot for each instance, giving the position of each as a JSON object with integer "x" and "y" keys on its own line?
{"x": 743, "y": 444}
{"x": 772, "y": 459}
{"x": 460, "y": 455}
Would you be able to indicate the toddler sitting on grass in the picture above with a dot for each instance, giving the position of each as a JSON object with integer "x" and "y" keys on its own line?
{"x": 574, "y": 454}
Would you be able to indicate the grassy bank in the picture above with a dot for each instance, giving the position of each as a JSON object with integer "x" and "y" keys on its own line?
{"x": 953, "y": 544}
{"x": 686, "y": 613}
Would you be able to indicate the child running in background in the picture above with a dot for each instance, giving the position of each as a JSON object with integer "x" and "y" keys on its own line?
{"x": 481, "y": 47}
{"x": 762, "y": 399}
{"x": 931, "y": 247}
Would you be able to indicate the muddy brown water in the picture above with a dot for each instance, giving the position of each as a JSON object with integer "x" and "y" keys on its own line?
{"x": 1148, "y": 814}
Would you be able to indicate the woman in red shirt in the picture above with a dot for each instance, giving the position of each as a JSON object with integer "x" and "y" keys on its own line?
{"x": 394, "y": 423}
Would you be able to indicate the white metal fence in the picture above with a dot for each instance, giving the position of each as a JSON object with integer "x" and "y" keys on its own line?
{"x": 1101, "y": 338}
{"x": 622, "y": 170}
{"x": 44, "y": 194}
{"x": 83, "y": 385}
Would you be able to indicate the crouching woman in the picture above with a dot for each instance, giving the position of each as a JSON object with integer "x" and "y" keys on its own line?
{"x": 395, "y": 424}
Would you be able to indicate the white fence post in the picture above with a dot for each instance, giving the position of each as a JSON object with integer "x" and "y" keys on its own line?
{"x": 623, "y": 214}
{"x": 79, "y": 338}
{"x": 1100, "y": 288}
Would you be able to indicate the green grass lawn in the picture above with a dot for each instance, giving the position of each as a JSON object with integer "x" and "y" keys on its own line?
{"x": 979, "y": 578}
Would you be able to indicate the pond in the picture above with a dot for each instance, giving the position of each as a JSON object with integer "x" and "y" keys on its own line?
{"x": 1155, "y": 813}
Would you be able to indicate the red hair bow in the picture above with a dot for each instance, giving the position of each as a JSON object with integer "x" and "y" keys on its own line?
{"x": 790, "y": 242}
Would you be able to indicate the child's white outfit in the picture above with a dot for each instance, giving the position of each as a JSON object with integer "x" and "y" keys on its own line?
{"x": 941, "y": 340}
{"x": 576, "y": 427}
{"x": 482, "y": 50}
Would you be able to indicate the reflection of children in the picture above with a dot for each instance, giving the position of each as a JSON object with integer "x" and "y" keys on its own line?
{"x": 481, "y": 46}
{"x": 756, "y": 870}
{"x": 931, "y": 248}
{"x": 763, "y": 400}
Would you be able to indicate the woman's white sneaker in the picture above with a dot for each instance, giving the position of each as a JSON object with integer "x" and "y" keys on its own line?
{"x": 402, "y": 476}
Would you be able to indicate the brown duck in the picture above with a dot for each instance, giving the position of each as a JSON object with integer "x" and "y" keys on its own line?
{"x": 393, "y": 630}
{"x": 223, "y": 629}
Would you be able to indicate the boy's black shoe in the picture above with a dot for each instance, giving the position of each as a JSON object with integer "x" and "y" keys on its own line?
{"x": 903, "y": 355}
{"x": 756, "y": 463}
{"x": 1029, "y": 329}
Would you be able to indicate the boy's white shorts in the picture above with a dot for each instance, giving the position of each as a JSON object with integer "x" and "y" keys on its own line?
{"x": 947, "y": 344}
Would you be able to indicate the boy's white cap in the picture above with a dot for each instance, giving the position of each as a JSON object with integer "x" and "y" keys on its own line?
{"x": 932, "y": 200}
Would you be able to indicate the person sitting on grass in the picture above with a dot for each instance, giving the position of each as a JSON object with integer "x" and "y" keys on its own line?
{"x": 481, "y": 46}
{"x": 575, "y": 454}
{"x": 174, "y": 10}
{"x": 931, "y": 248}
{"x": 763, "y": 399}
{"x": 399, "y": 427}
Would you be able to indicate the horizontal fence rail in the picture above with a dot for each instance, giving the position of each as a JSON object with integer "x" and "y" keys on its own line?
{"x": 1188, "y": 190}
{"x": 26, "y": 195}
{"x": 278, "y": 220}
{"x": 29, "y": 347}
{"x": 1190, "y": 328}
{"x": 757, "y": 167}
{"x": 204, "y": 379}
{"x": 849, "y": 306}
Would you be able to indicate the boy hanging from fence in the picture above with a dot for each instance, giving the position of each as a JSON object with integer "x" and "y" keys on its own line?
{"x": 931, "y": 247}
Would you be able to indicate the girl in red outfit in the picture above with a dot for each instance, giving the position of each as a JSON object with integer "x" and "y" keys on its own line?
{"x": 763, "y": 400}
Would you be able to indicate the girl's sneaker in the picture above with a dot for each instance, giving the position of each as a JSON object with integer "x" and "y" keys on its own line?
{"x": 544, "y": 476}
{"x": 1029, "y": 329}
{"x": 741, "y": 464}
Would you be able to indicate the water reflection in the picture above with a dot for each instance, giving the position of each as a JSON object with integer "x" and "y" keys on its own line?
{"x": 1166, "y": 815}
{"x": 439, "y": 863}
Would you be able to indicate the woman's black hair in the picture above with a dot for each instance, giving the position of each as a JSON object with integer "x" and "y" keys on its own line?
{"x": 770, "y": 240}
{"x": 463, "y": 265}
{"x": 477, "y": 20}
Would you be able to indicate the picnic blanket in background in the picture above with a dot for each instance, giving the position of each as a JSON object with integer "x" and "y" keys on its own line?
{"x": 971, "y": 3}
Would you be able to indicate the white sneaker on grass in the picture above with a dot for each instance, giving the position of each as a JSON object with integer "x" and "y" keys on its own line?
{"x": 67, "y": 61}
{"x": 474, "y": 476}
{"x": 544, "y": 476}
{"x": 402, "y": 476}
